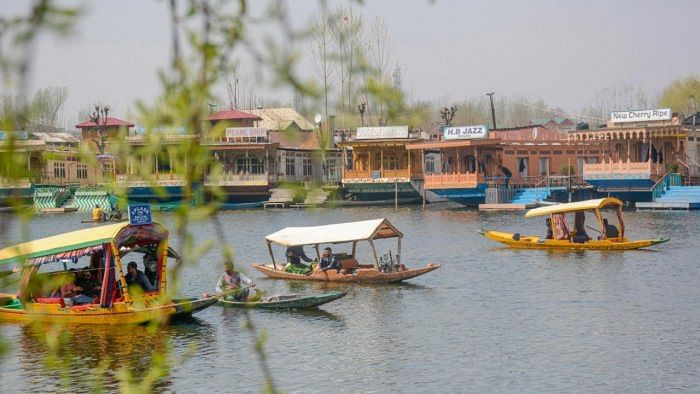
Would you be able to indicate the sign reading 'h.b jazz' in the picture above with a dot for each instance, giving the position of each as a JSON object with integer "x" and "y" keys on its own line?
{"x": 140, "y": 214}
{"x": 466, "y": 132}
{"x": 377, "y": 133}
{"x": 641, "y": 116}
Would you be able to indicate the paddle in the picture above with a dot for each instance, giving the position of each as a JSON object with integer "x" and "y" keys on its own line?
{"x": 596, "y": 230}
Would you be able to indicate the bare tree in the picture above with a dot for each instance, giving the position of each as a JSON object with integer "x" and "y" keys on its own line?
{"x": 380, "y": 48}
{"x": 321, "y": 46}
{"x": 100, "y": 117}
{"x": 46, "y": 107}
{"x": 346, "y": 30}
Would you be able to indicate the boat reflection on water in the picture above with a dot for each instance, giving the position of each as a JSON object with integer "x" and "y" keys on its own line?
{"x": 96, "y": 357}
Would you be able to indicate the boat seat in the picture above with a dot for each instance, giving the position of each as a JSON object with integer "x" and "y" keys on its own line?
{"x": 349, "y": 263}
{"x": 50, "y": 300}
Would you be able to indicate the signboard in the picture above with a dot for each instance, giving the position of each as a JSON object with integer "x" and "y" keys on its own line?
{"x": 246, "y": 132}
{"x": 140, "y": 214}
{"x": 466, "y": 132}
{"x": 641, "y": 116}
{"x": 377, "y": 133}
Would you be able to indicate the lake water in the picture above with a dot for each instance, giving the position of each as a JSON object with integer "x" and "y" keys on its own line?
{"x": 490, "y": 320}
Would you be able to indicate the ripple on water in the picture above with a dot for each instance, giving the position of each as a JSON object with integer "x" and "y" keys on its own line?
{"x": 491, "y": 319}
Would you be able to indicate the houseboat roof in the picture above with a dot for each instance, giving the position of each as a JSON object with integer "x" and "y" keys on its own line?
{"x": 453, "y": 143}
{"x": 80, "y": 242}
{"x": 232, "y": 114}
{"x": 384, "y": 142}
{"x": 335, "y": 233}
{"x": 281, "y": 119}
{"x": 574, "y": 206}
{"x": 110, "y": 122}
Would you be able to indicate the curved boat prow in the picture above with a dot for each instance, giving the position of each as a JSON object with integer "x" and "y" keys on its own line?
{"x": 659, "y": 241}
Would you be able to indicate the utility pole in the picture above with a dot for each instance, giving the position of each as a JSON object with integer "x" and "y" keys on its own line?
{"x": 493, "y": 112}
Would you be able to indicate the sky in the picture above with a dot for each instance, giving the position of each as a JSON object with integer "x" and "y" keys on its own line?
{"x": 564, "y": 52}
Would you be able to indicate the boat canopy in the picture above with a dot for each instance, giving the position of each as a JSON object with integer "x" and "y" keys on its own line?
{"x": 574, "y": 206}
{"x": 81, "y": 243}
{"x": 335, "y": 233}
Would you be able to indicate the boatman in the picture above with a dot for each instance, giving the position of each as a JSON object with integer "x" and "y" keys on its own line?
{"x": 230, "y": 284}
{"x": 97, "y": 213}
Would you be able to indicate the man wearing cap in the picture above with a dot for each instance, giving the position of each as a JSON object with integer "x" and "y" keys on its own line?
{"x": 329, "y": 261}
{"x": 230, "y": 284}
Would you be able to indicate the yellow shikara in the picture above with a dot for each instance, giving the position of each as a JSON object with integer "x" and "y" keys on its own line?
{"x": 610, "y": 237}
{"x": 39, "y": 299}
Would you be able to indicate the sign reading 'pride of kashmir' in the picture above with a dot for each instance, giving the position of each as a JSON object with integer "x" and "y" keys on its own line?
{"x": 376, "y": 133}
{"x": 641, "y": 116}
{"x": 465, "y": 132}
{"x": 245, "y": 132}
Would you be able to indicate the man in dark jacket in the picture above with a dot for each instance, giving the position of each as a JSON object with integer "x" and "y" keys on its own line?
{"x": 134, "y": 277}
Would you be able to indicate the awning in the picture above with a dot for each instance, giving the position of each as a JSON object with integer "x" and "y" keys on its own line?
{"x": 79, "y": 243}
{"x": 335, "y": 233}
{"x": 574, "y": 206}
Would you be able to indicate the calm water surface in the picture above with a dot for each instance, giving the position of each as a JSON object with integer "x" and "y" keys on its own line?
{"x": 490, "y": 320}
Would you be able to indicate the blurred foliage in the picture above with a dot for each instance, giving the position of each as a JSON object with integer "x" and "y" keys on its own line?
{"x": 682, "y": 95}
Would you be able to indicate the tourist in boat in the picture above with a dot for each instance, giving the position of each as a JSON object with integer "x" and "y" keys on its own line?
{"x": 610, "y": 230}
{"x": 134, "y": 277}
{"x": 329, "y": 261}
{"x": 506, "y": 174}
{"x": 548, "y": 223}
{"x": 295, "y": 254}
{"x": 231, "y": 284}
{"x": 90, "y": 286}
{"x": 560, "y": 227}
{"x": 580, "y": 227}
{"x": 150, "y": 269}
{"x": 72, "y": 293}
{"x": 97, "y": 214}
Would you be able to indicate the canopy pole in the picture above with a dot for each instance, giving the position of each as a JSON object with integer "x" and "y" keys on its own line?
{"x": 163, "y": 260}
{"x": 599, "y": 215}
{"x": 398, "y": 255}
{"x": 318, "y": 253}
{"x": 118, "y": 266}
{"x": 272, "y": 255}
{"x": 374, "y": 252}
{"x": 354, "y": 248}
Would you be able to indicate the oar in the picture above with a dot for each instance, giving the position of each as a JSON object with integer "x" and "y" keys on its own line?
{"x": 596, "y": 230}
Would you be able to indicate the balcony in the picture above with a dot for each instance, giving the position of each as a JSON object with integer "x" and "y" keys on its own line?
{"x": 622, "y": 169}
{"x": 370, "y": 176}
{"x": 452, "y": 181}
{"x": 233, "y": 179}
{"x": 157, "y": 179}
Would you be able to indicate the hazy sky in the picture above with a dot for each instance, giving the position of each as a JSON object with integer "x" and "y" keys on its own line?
{"x": 561, "y": 51}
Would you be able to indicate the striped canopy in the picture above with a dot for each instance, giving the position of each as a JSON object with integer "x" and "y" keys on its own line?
{"x": 80, "y": 243}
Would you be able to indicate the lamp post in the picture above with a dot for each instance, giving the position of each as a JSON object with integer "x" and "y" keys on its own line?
{"x": 493, "y": 112}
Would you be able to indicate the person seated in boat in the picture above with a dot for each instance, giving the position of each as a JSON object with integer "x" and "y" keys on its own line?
{"x": 610, "y": 230}
{"x": 150, "y": 269}
{"x": 97, "y": 214}
{"x": 548, "y": 223}
{"x": 72, "y": 293}
{"x": 90, "y": 286}
{"x": 580, "y": 234}
{"x": 560, "y": 228}
{"x": 115, "y": 215}
{"x": 329, "y": 261}
{"x": 295, "y": 254}
{"x": 233, "y": 285}
{"x": 134, "y": 277}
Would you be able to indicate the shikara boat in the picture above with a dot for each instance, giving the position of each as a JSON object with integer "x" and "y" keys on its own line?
{"x": 287, "y": 302}
{"x": 40, "y": 299}
{"x": 385, "y": 269}
{"x": 608, "y": 236}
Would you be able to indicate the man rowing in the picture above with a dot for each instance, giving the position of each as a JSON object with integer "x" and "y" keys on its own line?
{"x": 229, "y": 284}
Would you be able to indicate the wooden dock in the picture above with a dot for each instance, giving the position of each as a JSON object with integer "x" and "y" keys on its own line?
{"x": 667, "y": 206}
{"x": 505, "y": 207}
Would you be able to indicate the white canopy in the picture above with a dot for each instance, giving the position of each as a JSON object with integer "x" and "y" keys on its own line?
{"x": 335, "y": 233}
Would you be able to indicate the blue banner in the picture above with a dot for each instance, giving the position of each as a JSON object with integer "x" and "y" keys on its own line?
{"x": 140, "y": 214}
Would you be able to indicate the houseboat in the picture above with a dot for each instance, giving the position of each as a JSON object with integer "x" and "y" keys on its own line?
{"x": 380, "y": 168}
{"x": 467, "y": 160}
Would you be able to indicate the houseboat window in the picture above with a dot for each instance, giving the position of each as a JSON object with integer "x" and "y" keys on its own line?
{"x": 82, "y": 171}
{"x": 544, "y": 165}
{"x": 289, "y": 166}
{"x": 59, "y": 170}
{"x": 307, "y": 167}
{"x": 429, "y": 164}
{"x": 163, "y": 162}
{"x": 470, "y": 164}
{"x": 391, "y": 162}
{"x": 251, "y": 165}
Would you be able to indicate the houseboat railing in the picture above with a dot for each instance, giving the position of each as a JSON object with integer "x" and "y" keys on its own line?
{"x": 668, "y": 180}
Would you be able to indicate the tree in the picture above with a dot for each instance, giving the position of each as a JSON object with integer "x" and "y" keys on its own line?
{"x": 99, "y": 117}
{"x": 682, "y": 95}
{"x": 320, "y": 50}
{"x": 380, "y": 48}
{"x": 46, "y": 107}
